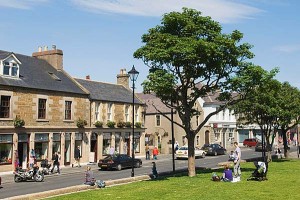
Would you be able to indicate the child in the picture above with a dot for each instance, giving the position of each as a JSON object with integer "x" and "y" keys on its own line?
{"x": 89, "y": 177}
{"x": 227, "y": 174}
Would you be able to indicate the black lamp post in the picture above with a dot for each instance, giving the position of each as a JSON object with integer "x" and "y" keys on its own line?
{"x": 133, "y": 76}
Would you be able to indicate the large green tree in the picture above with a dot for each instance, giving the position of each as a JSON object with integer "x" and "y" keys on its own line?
{"x": 189, "y": 57}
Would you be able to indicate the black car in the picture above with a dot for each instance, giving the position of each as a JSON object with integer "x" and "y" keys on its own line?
{"x": 214, "y": 149}
{"x": 119, "y": 162}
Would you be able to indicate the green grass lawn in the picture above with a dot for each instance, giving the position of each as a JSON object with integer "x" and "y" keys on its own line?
{"x": 283, "y": 183}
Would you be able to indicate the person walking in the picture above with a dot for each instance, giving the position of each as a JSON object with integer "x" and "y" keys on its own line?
{"x": 55, "y": 159}
{"x": 147, "y": 152}
{"x": 77, "y": 156}
{"x": 155, "y": 153}
{"x": 237, "y": 160}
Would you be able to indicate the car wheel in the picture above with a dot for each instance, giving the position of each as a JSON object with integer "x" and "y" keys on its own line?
{"x": 215, "y": 154}
{"x": 138, "y": 165}
{"x": 119, "y": 167}
{"x": 203, "y": 155}
{"x": 224, "y": 153}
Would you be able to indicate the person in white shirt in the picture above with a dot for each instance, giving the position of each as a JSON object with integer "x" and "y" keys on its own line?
{"x": 237, "y": 160}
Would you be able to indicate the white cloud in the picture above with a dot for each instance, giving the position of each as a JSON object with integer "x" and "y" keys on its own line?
{"x": 288, "y": 48}
{"x": 20, "y": 4}
{"x": 224, "y": 11}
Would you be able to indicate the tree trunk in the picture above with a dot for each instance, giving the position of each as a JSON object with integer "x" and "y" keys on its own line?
{"x": 285, "y": 144}
{"x": 191, "y": 156}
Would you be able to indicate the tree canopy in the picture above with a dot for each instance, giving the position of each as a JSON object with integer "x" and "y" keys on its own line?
{"x": 189, "y": 58}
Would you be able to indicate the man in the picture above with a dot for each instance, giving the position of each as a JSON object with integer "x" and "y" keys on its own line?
{"x": 77, "y": 156}
{"x": 237, "y": 160}
{"x": 55, "y": 162}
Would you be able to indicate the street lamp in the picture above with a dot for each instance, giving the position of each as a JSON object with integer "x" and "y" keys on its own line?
{"x": 133, "y": 76}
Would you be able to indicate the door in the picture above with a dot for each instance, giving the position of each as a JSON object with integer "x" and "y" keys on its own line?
{"x": 206, "y": 137}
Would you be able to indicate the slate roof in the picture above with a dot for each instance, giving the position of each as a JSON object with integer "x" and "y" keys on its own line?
{"x": 108, "y": 91}
{"x": 151, "y": 100}
{"x": 34, "y": 74}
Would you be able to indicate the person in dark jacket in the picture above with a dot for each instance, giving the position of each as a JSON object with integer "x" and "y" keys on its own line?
{"x": 77, "y": 157}
{"x": 55, "y": 162}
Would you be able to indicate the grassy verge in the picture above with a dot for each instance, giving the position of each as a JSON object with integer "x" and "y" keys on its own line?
{"x": 283, "y": 183}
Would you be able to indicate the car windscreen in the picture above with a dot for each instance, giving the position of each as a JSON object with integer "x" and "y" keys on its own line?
{"x": 183, "y": 148}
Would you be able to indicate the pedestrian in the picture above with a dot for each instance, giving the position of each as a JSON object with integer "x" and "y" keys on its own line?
{"x": 154, "y": 170}
{"x": 237, "y": 160}
{"x": 176, "y": 146}
{"x": 55, "y": 159}
{"x": 31, "y": 161}
{"x": 89, "y": 177}
{"x": 16, "y": 163}
{"x": 77, "y": 157}
{"x": 227, "y": 174}
{"x": 147, "y": 149}
{"x": 155, "y": 153}
{"x": 112, "y": 150}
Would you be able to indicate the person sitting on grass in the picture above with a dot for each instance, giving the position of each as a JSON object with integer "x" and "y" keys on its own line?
{"x": 227, "y": 174}
{"x": 89, "y": 177}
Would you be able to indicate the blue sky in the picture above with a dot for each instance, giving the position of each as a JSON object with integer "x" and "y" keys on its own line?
{"x": 98, "y": 37}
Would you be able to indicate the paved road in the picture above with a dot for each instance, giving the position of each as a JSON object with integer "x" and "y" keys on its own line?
{"x": 75, "y": 176}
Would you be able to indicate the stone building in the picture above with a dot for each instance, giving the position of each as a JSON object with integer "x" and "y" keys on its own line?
{"x": 59, "y": 113}
{"x": 159, "y": 130}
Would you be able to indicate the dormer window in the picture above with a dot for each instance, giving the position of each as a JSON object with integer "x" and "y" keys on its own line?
{"x": 10, "y": 66}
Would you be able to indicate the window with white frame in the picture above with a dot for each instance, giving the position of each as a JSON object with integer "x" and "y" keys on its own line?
{"x": 157, "y": 120}
{"x": 109, "y": 112}
{"x": 223, "y": 114}
{"x": 10, "y": 69}
{"x": 127, "y": 113}
{"x": 97, "y": 111}
{"x": 229, "y": 115}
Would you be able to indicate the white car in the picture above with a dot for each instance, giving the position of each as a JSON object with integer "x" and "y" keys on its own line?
{"x": 182, "y": 152}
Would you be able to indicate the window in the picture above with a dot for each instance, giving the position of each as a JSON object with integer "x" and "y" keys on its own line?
{"x": 6, "y": 149}
{"x": 10, "y": 69}
{"x": 197, "y": 120}
{"x": 42, "y": 109}
{"x": 157, "y": 120}
{"x": 109, "y": 114}
{"x": 5, "y": 107}
{"x": 223, "y": 114}
{"x": 97, "y": 113}
{"x": 197, "y": 140}
{"x": 217, "y": 115}
{"x": 127, "y": 113}
{"x": 136, "y": 116}
{"x": 68, "y": 110}
{"x": 41, "y": 145}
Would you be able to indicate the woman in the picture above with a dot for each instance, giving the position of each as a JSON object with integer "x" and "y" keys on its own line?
{"x": 89, "y": 177}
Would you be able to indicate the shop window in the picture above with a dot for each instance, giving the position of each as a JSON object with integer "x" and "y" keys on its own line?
{"x": 137, "y": 146}
{"x": 117, "y": 142}
{"x": 106, "y": 143}
{"x": 6, "y": 148}
{"x": 41, "y": 145}
{"x": 56, "y": 143}
{"x": 78, "y": 141}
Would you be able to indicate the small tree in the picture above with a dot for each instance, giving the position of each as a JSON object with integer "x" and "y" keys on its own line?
{"x": 128, "y": 124}
{"x": 138, "y": 124}
{"x": 120, "y": 124}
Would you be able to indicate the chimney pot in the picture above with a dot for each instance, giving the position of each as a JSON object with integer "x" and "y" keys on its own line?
{"x": 87, "y": 77}
{"x": 54, "y": 47}
{"x": 40, "y": 49}
{"x": 45, "y": 48}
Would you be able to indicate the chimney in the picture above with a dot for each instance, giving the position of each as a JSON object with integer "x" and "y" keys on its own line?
{"x": 123, "y": 78}
{"x": 54, "y": 57}
{"x": 87, "y": 77}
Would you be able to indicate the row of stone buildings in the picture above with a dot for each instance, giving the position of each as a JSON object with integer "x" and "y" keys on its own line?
{"x": 60, "y": 112}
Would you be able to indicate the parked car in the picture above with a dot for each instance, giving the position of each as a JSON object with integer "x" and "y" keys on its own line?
{"x": 118, "y": 162}
{"x": 250, "y": 142}
{"x": 214, "y": 149}
{"x": 182, "y": 152}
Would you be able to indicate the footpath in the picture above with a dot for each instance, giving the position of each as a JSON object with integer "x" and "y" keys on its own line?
{"x": 8, "y": 177}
